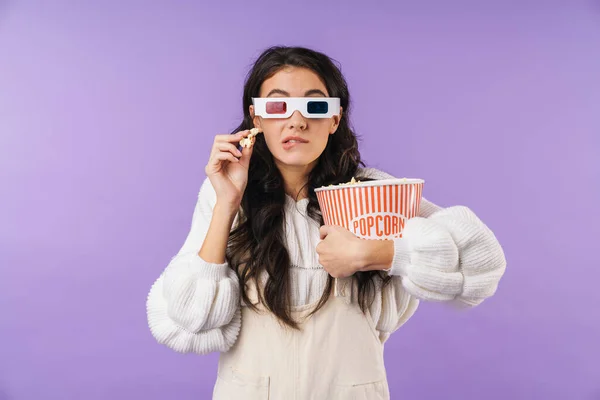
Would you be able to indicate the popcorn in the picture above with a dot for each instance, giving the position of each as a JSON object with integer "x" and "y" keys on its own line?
{"x": 352, "y": 182}
{"x": 249, "y": 140}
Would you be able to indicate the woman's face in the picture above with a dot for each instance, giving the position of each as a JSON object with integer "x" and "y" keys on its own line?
{"x": 295, "y": 82}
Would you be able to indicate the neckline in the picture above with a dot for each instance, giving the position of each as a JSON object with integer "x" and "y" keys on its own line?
{"x": 294, "y": 200}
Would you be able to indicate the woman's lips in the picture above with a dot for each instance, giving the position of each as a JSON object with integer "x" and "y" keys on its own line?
{"x": 291, "y": 145}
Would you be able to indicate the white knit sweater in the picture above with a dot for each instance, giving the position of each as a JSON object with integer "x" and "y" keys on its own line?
{"x": 444, "y": 255}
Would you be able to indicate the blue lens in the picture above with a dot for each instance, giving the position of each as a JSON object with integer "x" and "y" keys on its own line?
{"x": 317, "y": 107}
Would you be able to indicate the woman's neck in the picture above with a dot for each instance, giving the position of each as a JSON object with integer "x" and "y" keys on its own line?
{"x": 295, "y": 179}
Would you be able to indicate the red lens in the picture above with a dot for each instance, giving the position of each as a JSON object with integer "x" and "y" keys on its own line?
{"x": 276, "y": 107}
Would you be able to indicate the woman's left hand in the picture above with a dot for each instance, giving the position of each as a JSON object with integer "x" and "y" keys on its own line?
{"x": 340, "y": 251}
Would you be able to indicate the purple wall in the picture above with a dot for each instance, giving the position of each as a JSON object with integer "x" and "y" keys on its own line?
{"x": 107, "y": 113}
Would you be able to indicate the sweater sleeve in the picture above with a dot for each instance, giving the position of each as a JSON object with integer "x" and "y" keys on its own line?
{"x": 447, "y": 254}
{"x": 393, "y": 307}
{"x": 194, "y": 305}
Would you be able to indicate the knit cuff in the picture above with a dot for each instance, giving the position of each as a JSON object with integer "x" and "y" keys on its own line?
{"x": 209, "y": 271}
{"x": 401, "y": 259}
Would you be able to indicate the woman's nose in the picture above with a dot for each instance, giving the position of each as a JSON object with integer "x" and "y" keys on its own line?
{"x": 297, "y": 121}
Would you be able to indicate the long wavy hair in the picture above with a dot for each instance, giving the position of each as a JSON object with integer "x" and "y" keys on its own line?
{"x": 258, "y": 242}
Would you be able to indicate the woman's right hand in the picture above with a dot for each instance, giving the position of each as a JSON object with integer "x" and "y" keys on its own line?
{"x": 227, "y": 168}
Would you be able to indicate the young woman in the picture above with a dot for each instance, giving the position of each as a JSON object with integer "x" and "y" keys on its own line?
{"x": 254, "y": 278}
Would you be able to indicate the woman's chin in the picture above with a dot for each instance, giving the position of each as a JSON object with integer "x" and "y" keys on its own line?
{"x": 299, "y": 160}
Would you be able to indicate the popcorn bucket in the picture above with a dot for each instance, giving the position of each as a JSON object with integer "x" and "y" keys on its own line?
{"x": 373, "y": 209}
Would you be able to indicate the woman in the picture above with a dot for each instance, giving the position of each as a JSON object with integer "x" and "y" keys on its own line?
{"x": 254, "y": 278}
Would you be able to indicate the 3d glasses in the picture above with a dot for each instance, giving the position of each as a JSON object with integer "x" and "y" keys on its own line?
{"x": 284, "y": 107}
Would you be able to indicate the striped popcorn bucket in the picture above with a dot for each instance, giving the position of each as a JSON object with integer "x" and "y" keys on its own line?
{"x": 373, "y": 209}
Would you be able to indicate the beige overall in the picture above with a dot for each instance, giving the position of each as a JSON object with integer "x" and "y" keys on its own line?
{"x": 337, "y": 355}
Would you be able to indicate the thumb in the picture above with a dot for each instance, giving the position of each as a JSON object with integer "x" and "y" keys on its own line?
{"x": 246, "y": 154}
{"x": 324, "y": 231}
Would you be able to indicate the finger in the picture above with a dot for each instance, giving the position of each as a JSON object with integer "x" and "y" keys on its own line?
{"x": 220, "y": 157}
{"x": 318, "y": 250}
{"x": 246, "y": 156}
{"x": 236, "y": 137}
{"x": 228, "y": 147}
{"x": 323, "y": 231}
{"x": 220, "y": 146}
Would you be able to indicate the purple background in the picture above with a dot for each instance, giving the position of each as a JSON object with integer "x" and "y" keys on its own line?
{"x": 107, "y": 114}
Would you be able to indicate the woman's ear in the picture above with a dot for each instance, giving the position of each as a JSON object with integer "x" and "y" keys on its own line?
{"x": 335, "y": 122}
{"x": 255, "y": 119}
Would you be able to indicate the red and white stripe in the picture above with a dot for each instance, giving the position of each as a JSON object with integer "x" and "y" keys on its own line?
{"x": 341, "y": 205}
